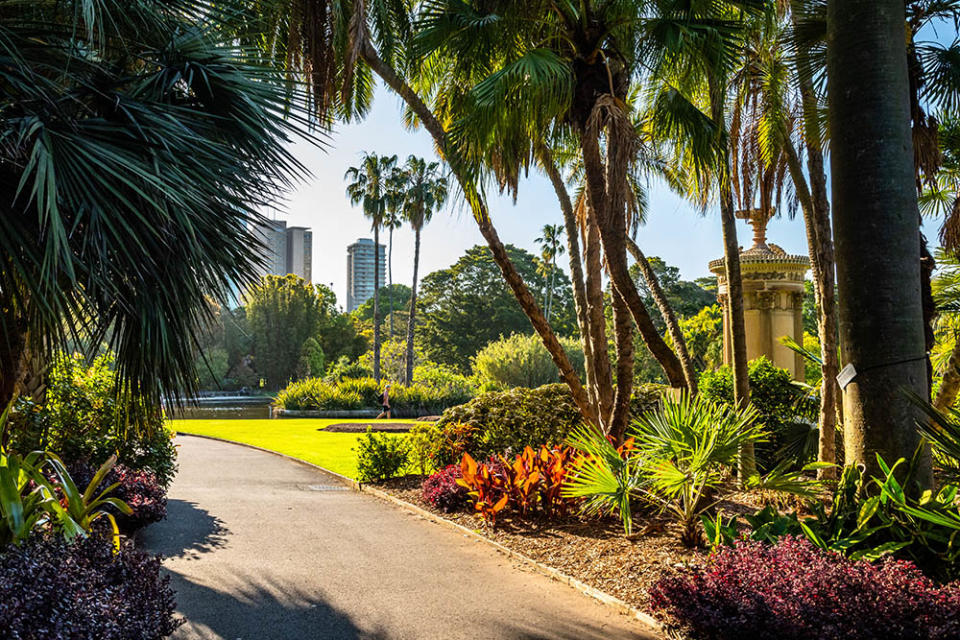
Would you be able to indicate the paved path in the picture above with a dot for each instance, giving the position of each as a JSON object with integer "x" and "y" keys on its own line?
{"x": 262, "y": 548}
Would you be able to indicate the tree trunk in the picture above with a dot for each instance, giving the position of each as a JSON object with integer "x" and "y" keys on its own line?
{"x": 875, "y": 227}
{"x": 390, "y": 280}
{"x": 376, "y": 303}
{"x": 821, "y": 253}
{"x": 598, "y": 319}
{"x": 611, "y": 222}
{"x": 950, "y": 384}
{"x": 731, "y": 265}
{"x": 623, "y": 332}
{"x": 553, "y": 273}
{"x": 520, "y": 290}
{"x": 669, "y": 317}
{"x": 411, "y": 320}
{"x": 576, "y": 270}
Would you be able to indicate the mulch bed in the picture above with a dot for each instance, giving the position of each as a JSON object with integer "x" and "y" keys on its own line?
{"x": 594, "y": 551}
{"x": 361, "y": 427}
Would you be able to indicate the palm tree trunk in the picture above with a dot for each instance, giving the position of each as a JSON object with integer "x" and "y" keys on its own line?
{"x": 580, "y": 302}
{"x": 611, "y": 222}
{"x": 623, "y": 333}
{"x": 598, "y": 319}
{"x": 669, "y": 317}
{"x": 390, "y": 279}
{"x": 821, "y": 253}
{"x": 376, "y": 303}
{"x": 553, "y": 273}
{"x": 520, "y": 290}
{"x": 734, "y": 293}
{"x": 411, "y": 321}
{"x": 875, "y": 226}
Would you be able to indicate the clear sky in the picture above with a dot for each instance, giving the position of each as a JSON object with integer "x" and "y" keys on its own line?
{"x": 675, "y": 231}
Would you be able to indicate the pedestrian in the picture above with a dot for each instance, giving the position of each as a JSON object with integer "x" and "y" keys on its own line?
{"x": 385, "y": 403}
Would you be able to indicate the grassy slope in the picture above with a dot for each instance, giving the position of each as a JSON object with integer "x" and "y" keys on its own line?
{"x": 301, "y": 438}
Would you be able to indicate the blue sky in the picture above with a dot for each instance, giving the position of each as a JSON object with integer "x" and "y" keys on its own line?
{"x": 675, "y": 231}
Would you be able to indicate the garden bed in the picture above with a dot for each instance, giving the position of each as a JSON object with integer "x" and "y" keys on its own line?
{"x": 361, "y": 427}
{"x": 594, "y": 551}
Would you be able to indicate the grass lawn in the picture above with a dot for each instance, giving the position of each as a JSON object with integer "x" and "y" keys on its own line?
{"x": 301, "y": 438}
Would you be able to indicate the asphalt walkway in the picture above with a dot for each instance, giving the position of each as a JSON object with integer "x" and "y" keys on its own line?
{"x": 259, "y": 548}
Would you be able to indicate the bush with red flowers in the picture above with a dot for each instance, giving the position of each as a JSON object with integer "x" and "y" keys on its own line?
{"x": 54, "y": 590}
{"x": 442, "y": 490}
{"x": 793, "y": 590}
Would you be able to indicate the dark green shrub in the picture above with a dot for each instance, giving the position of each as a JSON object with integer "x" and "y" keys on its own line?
{"x": 344, "y": 368}
{"x": 83, "y": 419}
{"x": 772, "y": 393}
{"x": 380, "y": 456}
{"x": 511, "y": 420}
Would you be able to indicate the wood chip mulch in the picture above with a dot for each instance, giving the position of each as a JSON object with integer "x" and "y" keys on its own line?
{"x": 361, "y": 427}
{"x": 594, "y": 551}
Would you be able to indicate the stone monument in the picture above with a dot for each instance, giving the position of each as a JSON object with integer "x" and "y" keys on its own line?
{"x": 772, "y": 297}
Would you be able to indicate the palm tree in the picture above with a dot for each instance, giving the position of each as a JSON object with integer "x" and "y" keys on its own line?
{"x": 139, "y": 145}
{"x": 425, "y": 193}
{"x": 551, "y": 247}
{"x": 369, "y": 188}
{"x": 393, "y": 219}
{"x": 339, "y": 44}
{"x": 875, "y": 225}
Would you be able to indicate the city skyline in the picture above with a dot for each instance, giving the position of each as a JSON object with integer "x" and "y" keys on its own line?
{"x": 360, "y": 271}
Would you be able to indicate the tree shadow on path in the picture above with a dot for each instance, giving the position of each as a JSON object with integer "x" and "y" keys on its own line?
{"x": 260, "y": 609}
{"x": 188, "y": 531}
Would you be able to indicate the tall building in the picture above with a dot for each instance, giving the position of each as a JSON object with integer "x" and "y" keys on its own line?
{"x": 360, "y": 285}
{"x": 300, "y": 252}
{"x": 285, "y": 249}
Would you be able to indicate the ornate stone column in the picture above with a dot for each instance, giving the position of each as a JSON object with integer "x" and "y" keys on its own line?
{"x": 773, "y": 301}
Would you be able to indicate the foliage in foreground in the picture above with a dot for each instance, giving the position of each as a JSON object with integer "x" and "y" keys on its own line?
{"x": 139, "y": 490}
{"x": 794, "y": 591}
{"x": 51, "y": 589}
{"x": 678, "y": 459}
{"x": 84, "y": 417}
{"x": 443, "y": 491}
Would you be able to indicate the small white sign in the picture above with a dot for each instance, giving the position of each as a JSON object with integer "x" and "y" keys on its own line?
{"x": 846, "y": 375}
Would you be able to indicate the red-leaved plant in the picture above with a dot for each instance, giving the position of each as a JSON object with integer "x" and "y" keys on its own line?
{"x": 794, "y": 591}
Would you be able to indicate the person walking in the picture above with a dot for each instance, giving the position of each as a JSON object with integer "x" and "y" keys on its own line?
{"x": 385, "y": 403}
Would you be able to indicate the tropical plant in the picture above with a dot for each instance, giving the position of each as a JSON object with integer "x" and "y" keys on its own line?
{"x": 426, "y": 192}
{"x": 442, "y": 491}
{"x": 369, "y": 187}
{"x": 142, "y": 143}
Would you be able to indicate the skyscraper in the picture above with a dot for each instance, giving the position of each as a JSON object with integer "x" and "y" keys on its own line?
{"x": 360, "y": 285}
{"x": 300, "y": 252}
{"x": 272, "y": 234}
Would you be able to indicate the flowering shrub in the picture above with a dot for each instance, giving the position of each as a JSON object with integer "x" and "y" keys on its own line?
{"x": 139, "y": 489}
{"x": 794, "y": 591}
{"x": 442, "y": 490}
{"x": 53, "y": 590}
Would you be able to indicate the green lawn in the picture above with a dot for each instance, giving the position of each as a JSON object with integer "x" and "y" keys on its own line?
{"x": 301, "y": 438}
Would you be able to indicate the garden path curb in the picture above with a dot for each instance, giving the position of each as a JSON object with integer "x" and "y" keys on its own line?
{"x": 546, "y": 570}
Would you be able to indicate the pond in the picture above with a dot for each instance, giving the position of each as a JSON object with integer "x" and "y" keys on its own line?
{"x": 225, "y": 411}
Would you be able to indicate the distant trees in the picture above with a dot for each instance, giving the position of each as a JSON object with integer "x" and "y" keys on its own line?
{"x": 468, "y": 305}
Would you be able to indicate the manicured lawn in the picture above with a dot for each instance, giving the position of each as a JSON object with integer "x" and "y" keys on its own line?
{"x": 301, "y": 438}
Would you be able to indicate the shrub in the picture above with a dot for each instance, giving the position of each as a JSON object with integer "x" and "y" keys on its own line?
{"x": 85, "y": 417}
{"x": 441, "y": 377}
{"x": 54, "y": 590}
{"x": 443, "y": 491}
{"x": 498, "y": 422}
{"x": 380, "y": 456}
{"x": 772, "y": 393}
{"x": 794, "y": 591}
{"x": 364, "y": 393}
{"x": 522, "y": 361}
{"x": 140, "y": 490}
{"x": 344, "y": 368}
{"x": 422, "y": 441}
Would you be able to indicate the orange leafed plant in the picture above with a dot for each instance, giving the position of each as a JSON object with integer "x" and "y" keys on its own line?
{"x": 487, "y": 489}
